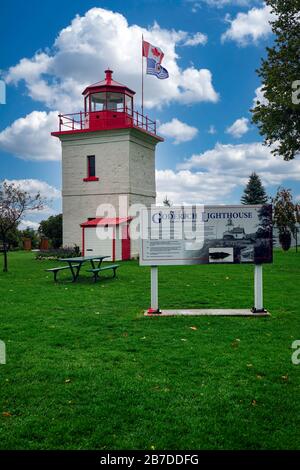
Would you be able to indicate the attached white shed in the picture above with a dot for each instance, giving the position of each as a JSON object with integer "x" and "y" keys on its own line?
{"x": 107, "y": 237}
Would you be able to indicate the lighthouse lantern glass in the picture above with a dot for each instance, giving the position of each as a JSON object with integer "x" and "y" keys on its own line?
{"x": 128, "y": 104}
{"x": 115, "y": 102}
{"x": 98, "y": 101}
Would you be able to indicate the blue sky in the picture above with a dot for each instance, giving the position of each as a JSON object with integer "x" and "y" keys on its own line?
{"x": 212, "y": 49}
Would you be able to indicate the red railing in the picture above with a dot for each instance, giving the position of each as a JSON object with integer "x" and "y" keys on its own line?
{"x": 108, "y": 119}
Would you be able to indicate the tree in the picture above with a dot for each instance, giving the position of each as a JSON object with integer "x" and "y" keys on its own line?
{"x": 32, "y": 234}
{"x": 286, "y": 215}
{"x": 14, "y": 202}
{"x": 13, "y": 238}
{"x": 254, "y": 192}
{"x": 265, "y": 226}
{"x": 278, "y": 114}
{"x": 52, "y": 228}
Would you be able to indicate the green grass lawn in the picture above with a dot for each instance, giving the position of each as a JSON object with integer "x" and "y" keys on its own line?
{"x": 86, "y": 370}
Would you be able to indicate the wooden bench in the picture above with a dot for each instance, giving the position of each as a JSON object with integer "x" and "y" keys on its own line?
{"x": 96, "y": 271}
{"x": 60, "y": 268}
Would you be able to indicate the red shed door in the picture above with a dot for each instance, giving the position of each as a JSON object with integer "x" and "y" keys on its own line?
{"x": 125, "y": 242}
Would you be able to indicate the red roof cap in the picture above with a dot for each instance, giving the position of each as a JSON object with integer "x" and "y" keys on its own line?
{"x": 107, "y": 82}
{"x": 105, "y": 221}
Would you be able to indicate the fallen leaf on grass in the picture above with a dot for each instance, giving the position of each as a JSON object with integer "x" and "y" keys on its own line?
{"x": 284, "y": 377}
{"x": 6, "y": 414}
{"x": 194, "y": 328}
{"x": 254, "y": 403}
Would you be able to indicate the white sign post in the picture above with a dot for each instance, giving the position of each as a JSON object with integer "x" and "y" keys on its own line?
{"x": 154, "y": 290}
{"x": 258, "y": 289}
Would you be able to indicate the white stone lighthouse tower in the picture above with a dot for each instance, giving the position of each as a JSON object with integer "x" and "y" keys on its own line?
{"x": 108, "y": 151}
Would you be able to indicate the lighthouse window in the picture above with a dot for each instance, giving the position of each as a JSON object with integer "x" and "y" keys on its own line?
{"x": 128, "y": 104}
{"x": 115, "y": 101}
{"x": 98, "y": 101}
{"x": 91, "y": 166}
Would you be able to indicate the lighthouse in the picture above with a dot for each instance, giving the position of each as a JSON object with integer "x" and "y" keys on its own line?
{"x": 108, "y": 156}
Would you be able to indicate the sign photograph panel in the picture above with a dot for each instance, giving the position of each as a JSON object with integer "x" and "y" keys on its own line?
{"x": 206, "y": 235}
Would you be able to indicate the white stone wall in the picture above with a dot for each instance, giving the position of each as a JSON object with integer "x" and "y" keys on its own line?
{"x": 125, "y": 165}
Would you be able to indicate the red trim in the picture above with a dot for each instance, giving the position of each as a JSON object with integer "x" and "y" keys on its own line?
{"x": 105, "y": 221}
{"x": 83, "y": 247}
{"x": 153, "y": 311}
{"x": 126, "y": 251}
{"x": 89, "y": 166}
{"x": 91, "y": 178}
{"x": 114, "y": 246}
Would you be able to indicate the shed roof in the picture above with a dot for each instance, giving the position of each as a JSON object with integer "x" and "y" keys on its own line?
{"x": 102, "y": 221}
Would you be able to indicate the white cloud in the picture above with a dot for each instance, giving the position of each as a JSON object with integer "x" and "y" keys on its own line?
{"x": 196, "y": 39}
{"x": 178, "y": 130}
{"x": 259, "y": 96}
{"x": 187, "y": 187}
{"x": 212, "y": 130}
{"x": 221, "y": 3}
{"x": 240, "y": 160}
{"x": 249, "y": 27}
{"x": 29, "y": 137}
{"x": 33, "y": 186}
{"x": 24, "y": 224}
{"x": 102, "y": 38}
{"x": 211, "y": 177}
{"x": 238, "y": 128}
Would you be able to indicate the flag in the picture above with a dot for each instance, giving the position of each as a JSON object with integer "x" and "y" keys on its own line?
{"x": 154, "y": 68}
{"x": 152, "y": 52}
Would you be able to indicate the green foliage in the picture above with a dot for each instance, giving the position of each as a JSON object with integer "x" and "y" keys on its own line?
{"x": 86, "y": 370}
{"x": 13, "y": 238}
{"x": 65, "y": 252}
{"x": 52, "y": 229}
{"x": 14, "y": 202}
{"x": 254, "y": 192}
{"x": 278, "y": 118}
{"x": 32, "y": 234}
{"x": 286, "y": 215}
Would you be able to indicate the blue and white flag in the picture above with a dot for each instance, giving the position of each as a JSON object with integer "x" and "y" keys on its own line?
{"x": 154, "y": 68}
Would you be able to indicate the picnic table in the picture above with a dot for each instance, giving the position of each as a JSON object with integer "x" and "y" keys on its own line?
{"x": 74, "y": 264}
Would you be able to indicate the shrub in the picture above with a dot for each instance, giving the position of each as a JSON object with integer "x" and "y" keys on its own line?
{"x": 54, "y": 254}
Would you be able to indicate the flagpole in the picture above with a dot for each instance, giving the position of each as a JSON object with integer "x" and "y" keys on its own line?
{"x": 142, "y": 76}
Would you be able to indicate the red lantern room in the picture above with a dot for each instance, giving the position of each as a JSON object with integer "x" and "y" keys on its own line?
{"x": 107, "y": 105}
